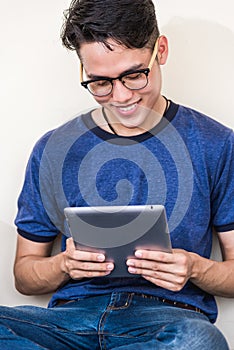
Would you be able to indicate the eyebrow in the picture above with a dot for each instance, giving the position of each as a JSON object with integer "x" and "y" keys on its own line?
{"x": 130, "y": 70}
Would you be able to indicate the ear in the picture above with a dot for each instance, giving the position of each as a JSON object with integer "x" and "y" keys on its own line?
{"x": 162, "y": 50}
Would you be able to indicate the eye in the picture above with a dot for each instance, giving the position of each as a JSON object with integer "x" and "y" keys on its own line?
{"x": 133, "y": 76}
{"x": 100, "y": 83}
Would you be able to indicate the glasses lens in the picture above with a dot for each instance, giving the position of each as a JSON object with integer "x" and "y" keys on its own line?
{"x": 100, "y": 87}
{"x": 135, "y": 80}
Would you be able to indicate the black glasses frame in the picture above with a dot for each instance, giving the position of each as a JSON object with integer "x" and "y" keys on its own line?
{"x": 145, "y": 71}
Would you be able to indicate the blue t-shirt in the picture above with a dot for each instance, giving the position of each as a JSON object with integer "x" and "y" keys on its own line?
{"x": 185, "y": 163}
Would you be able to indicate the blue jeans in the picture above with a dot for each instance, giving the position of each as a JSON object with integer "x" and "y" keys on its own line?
{"x": 120, "y": 321}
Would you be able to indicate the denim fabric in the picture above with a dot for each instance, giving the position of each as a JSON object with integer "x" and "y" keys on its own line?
{"x": 121, "y": 321}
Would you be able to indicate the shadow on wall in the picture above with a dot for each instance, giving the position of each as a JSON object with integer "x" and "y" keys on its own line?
{"x": 8, "y": 295}
{"x": 200, "y": 67}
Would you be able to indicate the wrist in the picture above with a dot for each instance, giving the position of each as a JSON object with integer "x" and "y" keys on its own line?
{"x": 200, "y": 267}
{"x": 195, "y": 265}
{"x": 60, "y": 266}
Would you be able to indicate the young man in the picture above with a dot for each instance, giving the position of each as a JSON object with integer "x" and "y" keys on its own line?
{"x": 137, "y": 148}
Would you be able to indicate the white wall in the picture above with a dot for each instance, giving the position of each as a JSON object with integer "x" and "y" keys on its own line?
{"x": 39, "y": 89}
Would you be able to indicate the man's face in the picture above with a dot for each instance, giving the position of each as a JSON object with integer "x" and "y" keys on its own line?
{"x": 130, "y": 108}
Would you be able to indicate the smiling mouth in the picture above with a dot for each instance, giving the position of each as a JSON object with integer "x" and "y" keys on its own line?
{"x": 128, "y": 108}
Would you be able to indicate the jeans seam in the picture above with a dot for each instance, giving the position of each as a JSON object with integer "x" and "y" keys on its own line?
{"x": 101, "y": 334}
{"x": 26, "y": 322}
{"x": 111, "y": 307}
{"x": 51, "y": 327}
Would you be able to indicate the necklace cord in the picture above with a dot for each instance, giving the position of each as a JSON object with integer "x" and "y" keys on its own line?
{"x": 108, "y": 123}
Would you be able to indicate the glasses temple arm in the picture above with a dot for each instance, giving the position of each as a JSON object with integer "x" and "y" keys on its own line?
{"x": 81, "y": 72}
{"x": 154, "y": 54}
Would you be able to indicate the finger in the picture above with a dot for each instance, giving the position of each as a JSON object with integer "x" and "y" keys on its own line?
{"x": 88, "y": 256}
{"x": 70, "y": 245}
{"x": 149, "y": 265}
{"x": 147, "y": 270}
{"x": 155, "y": 255}
{"x": 170, "y": 285}
{"x": 89, "y": 270}
{"x": 166, "y": 279}
{"x": 162, "y": 276}
{"x": 90, "y": 266}
{"x": 155, "y": 268}
{"x": 82, "y": 255}
{"x": 77, "y": 275}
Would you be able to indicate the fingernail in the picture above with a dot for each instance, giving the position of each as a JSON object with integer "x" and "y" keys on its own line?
{"x": 110, "y": 267}
{"x": 131, "y": 269}
{"x": 138, "y": 254}
{"x": 101, "y": 257}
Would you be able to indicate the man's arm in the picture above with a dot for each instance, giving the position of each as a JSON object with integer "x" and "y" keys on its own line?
{"x": 37, "y": 272}
{"x": 217, "y": 278}
{"x": 172, "y": 271}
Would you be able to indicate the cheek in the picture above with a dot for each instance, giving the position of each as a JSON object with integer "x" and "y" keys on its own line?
{"x": 150, "y": 92}
{"x": 102, "y": 100}
{"x": 155, "y": 79}
{"x": 153, "y": 88}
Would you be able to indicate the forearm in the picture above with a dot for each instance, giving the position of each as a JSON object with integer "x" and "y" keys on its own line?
{"x": 40, "y": 275}
{"x": 216, "y": 278}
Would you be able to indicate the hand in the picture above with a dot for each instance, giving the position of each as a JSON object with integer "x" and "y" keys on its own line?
{"x": 80, "y": 264}
{"x": 166, "y": 270}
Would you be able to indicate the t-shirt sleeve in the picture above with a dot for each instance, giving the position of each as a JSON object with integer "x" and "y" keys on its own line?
{"x": 32, "y": 220}
{"x": 222, "y": 196}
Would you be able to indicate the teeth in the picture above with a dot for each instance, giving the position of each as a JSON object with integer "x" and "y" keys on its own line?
{"x": 129, "y": 108}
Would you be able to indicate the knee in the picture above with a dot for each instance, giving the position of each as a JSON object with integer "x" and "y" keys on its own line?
{"x": 193, "y": 334}
{"x": 6, "y": 311}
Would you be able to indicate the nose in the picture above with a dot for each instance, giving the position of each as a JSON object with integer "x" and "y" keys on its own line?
{"x": 120, "y": 93}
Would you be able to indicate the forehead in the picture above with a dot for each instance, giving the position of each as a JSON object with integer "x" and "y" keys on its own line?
{"x": 98, "y": 60}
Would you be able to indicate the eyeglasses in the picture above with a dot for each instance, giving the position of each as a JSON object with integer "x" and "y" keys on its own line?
{"x": 132, "y": 80}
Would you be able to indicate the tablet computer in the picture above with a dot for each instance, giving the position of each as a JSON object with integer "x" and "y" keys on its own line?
{"x": 117, "y": 231}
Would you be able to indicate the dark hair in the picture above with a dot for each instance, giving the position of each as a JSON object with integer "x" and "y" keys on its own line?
{"x": 131, "y": 23}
